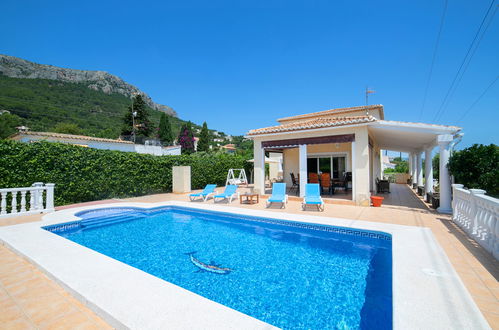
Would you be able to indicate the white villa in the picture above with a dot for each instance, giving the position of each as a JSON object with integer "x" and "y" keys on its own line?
{"x": 27, "y": 136}
{"x": 344, "y": 140}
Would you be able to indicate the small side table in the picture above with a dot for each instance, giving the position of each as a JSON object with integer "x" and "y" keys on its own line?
{"x": 250, "y": 198}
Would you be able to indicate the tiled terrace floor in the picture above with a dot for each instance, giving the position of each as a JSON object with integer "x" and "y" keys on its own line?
{"x": 30, "y": 300}
{"x": 478, "y": 270}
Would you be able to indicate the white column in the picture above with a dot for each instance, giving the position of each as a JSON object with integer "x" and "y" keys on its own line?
{"x": 381, "y": 164}
{"x": 353, "y": 168}
{"x": 259, "y": 167}
{"x": 428, "y": 186}
{"x": 303, "y": 168}
{"x": 414, "y": 172}
{"x": 409, "y": 163}
{"x": 419, "y": 167}
{"x": 444, "y": 179}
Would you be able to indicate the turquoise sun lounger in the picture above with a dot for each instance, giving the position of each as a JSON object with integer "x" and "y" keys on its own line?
{"x": 207, "y": 191}
{"x": 313, "y": 196}
{"x": 278, "y": 195}
{"x": 229, "y": 193}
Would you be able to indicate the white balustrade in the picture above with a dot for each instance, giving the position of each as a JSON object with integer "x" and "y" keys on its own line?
{"x": 477, "y": 214}
{"x": 37, "y": 204}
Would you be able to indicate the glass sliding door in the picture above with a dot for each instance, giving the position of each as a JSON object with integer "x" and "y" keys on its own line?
{"x": 325, "y": 165}
{"x": 334, "y": 165}
{"x": 339, "y": 167}
{"x": 312, "y": 166}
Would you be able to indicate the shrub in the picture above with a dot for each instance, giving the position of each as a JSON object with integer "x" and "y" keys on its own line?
{"x": 477, "y": 167}
{"x": 84, "y": 174}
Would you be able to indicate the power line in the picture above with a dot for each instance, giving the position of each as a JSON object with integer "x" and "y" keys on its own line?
{"x": 437, "y": 43}
{"x": 478, "y": 99}
{"x": 453, "y": 84}
{"x": 468, "y": 62}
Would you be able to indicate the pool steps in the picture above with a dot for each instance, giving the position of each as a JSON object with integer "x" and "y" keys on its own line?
{"x": 100, "y": 222}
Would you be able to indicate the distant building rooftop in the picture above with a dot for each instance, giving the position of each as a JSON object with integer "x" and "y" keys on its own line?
{"x": 23, "y": 131}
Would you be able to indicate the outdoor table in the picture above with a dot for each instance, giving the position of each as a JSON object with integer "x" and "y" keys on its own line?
{"x": 249, "y": 198}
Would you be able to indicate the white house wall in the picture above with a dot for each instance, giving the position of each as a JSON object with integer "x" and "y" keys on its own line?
{"x": 360, "y": 168}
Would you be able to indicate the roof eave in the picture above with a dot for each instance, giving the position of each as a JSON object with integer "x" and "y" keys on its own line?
{"x": 248, "y": 136}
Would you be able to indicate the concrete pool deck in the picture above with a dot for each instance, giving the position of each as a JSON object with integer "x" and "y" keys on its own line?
{"x": 475, "y": 267}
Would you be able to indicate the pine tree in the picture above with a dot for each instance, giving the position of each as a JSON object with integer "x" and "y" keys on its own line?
{"x": 186, "y": 138}
{"x": 165, "y": 133}
{"x": 143, "y": 126}
{"x": 204, "y": 139}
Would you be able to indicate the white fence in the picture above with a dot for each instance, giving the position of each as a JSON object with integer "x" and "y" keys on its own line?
{"x": 38, "y": 198}
{"x": 477, "y": 214}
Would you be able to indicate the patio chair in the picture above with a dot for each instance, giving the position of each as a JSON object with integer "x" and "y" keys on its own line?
{"x": 295, "y": 182}
{"x": 229, "y": 193}
{"x": 382, "y": 186}
{"x": 326, "y": 183}
{"x": 313, "y": 197}
{"x": 207, "y": 191}
{"x": 278, "y": 195}
{"x": 313, "y": 178}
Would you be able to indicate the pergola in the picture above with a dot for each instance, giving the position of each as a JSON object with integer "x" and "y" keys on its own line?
{"x": 416, "y": 139}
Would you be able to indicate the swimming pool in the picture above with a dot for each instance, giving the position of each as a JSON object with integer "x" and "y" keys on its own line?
{"x": 288, "y": 274}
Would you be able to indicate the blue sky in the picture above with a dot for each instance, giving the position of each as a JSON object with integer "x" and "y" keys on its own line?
{"x": 241, "y": 64}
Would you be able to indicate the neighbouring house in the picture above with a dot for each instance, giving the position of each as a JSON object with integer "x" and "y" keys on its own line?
{"x": 196, "y": 141}
{"x": 229, "y": 148}
{"x": 95, "y": 142}
{"x": 348, "y": 143}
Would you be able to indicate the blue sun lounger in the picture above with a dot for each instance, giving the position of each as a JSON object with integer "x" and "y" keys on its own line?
{"x": 313, "y": 196}
{"x": 207, "y": 191}
{"x": 229, "y": 193}
{"x": 278, "y": 195}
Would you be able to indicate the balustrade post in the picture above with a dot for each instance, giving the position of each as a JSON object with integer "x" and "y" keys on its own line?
{"x": 14, "y": 202}
{"x": 49, "y": 203}
{"x": 23, "y": 201}
{"x": 3, "y": 203}
{"x": 32, "y": 199}
{"x": 38, "y": 196}
{"x": 455, "y": 203}
{"x": 474, "y": 210}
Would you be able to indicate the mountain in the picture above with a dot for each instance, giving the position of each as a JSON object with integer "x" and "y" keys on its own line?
{"x": 44, "y": 97}
{"x": 102, "y": 81}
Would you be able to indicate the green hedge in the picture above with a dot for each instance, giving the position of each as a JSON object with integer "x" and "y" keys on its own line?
{"x": 477, "y": 167}
{"x": 84, "y": 174}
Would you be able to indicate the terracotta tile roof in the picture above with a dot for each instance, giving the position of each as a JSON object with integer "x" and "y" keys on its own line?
{"x": 313, "y": 123}
{"x": 335, "y": 112}
{"x": 71, "y": 136}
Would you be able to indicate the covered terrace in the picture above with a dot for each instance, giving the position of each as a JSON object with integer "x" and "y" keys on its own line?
{"x": 347, "y": 144}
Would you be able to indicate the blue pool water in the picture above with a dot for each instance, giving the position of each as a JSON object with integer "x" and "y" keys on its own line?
{"x": 291, "y": 275}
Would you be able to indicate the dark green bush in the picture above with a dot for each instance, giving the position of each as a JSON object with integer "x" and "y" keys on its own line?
{"x": 84, "y": 174}
{"x": 477, "y": 167}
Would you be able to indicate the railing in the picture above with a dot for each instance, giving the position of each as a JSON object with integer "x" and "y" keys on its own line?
{"x": 477, "y": 214}
{"x": 38, "y": 198}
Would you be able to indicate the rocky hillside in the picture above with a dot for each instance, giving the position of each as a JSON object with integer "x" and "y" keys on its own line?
{"x": 15, "y": 67}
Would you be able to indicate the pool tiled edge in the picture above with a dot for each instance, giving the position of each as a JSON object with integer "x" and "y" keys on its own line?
{"x": 420, "y": 300}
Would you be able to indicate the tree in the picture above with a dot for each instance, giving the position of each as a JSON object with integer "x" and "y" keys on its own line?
{"x": 67, "y": 128}
{"x": 477, "y": 167}
{"x": 143, "y": 126}
{"x": 165, "y": 133}
{"x": 8, "y": 124}
{"x": 204, "y": 139}
{"x": 186, "y": 138}
{"x": 401, "y": 166}
{"x": 435, "y": 163}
